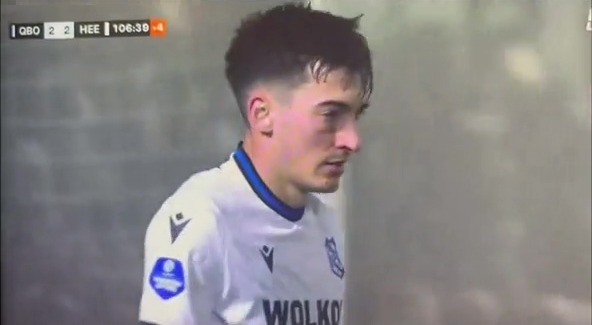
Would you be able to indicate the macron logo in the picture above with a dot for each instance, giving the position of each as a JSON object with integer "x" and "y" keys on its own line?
{"x": 267, "y": 254}
{"x": 177, "y": 225}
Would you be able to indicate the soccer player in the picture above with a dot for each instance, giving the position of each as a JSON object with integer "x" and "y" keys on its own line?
{"x": 249, "y": 241}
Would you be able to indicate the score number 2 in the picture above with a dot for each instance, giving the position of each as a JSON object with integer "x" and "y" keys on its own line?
{"x": 66, "y": 30}
{"x": 58, "y": 30}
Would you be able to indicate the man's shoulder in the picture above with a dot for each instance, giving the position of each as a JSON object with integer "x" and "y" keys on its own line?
{"x": 199, "y": 187}
{"x": 189, "y": 214}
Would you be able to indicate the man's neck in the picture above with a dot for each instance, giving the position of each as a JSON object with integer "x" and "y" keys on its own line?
{"x": 265, "y": 163}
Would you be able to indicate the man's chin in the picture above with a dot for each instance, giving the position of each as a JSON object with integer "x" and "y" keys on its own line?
{"x": 327, "y": 186}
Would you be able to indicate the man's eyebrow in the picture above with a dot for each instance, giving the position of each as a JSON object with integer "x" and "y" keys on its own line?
{"x": 340, "y": 104}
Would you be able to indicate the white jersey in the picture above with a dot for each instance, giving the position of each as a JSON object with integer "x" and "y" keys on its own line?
{"x": 224, "y": 250}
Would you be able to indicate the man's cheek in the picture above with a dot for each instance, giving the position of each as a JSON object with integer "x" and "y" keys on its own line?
{"x": 291, "y": 154}
{"x": 321, "y": 141}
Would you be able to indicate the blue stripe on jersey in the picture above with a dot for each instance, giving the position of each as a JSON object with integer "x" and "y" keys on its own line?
{"x": 263, "y": 192}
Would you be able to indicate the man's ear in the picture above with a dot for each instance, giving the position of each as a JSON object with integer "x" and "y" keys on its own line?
{"x": 259, "y": 114}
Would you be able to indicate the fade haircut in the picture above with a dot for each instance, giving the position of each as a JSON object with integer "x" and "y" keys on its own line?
{"x": 281, "y": 43}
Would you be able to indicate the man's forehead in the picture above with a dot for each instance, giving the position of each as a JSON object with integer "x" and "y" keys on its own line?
{"x": 336, "y": 77}
{"x": 338, "y": 83}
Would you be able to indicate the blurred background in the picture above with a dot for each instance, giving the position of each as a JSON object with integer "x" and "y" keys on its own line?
{"x": 470, "y": 203}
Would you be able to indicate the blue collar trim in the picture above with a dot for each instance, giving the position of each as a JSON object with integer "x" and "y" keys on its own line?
{"x": 263, "y": 192}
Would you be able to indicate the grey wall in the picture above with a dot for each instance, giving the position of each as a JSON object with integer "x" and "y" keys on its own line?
{"x": 475, "y": 175}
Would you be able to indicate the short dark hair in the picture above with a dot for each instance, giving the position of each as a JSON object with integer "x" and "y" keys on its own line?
{"x": 280, "y": 43}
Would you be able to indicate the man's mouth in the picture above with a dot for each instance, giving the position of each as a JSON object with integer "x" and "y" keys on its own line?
{"x": 335, "y": 167}
{"x": 339, "y": 163}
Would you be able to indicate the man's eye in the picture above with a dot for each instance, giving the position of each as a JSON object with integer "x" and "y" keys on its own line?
{"x": 331, "y": 114}
{"x": 334, "y": 112}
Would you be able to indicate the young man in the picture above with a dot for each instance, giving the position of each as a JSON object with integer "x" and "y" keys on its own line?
{"x": 248, "y": 242}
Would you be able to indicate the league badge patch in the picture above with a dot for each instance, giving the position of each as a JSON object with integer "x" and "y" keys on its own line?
{"x": 167, "y": 278}
{"x": 333, "y": 255}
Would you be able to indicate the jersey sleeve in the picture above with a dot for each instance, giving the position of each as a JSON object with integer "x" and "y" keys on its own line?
{"x": 180, "y": 278}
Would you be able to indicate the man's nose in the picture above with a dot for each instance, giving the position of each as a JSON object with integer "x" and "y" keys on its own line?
{"x": 348, "y": 137}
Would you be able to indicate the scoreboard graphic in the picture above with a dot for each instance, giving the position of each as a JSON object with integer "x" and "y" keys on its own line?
{"x": 64, "y": 30}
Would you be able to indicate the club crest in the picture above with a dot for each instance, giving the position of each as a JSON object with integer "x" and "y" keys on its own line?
{"x": 333, "y": 254}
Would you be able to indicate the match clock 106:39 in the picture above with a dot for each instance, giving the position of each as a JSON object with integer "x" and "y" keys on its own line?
{"x": 131, "y": 28}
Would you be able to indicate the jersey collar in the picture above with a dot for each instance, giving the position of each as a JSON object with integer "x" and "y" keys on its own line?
{"x": 263, "y": 192}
